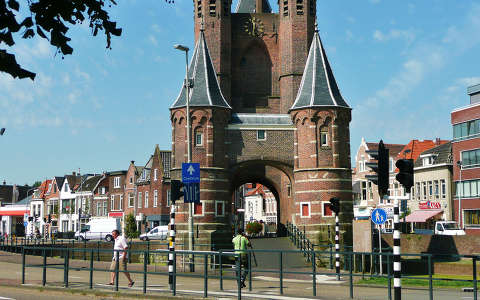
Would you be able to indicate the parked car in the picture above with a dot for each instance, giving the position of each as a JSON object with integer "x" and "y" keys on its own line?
{"x": 157, "y": 233}
{"x": 98, "y": 229}
{"x": 387, "y": 230}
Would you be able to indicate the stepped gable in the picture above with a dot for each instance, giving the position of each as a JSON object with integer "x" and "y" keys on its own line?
{"x": 206, "y": 90}
{"x": 318, "y": 87}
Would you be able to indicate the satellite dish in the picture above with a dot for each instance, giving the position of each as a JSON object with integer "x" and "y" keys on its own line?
{"x": 2, "y": 131}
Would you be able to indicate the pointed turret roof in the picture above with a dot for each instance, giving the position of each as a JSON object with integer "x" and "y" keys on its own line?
{"x": 206, "y": 90}
{"x": 318, "y": 87}
{"x": 249, "y": 7}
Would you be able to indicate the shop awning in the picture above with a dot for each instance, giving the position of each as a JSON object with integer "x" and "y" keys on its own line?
{"x": 422, "y": 215}
{"x": 14, "y": 212}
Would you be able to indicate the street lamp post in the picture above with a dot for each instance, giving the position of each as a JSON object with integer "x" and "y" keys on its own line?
{"x": 189, "y": 150}
{"x": 460, "y": 223}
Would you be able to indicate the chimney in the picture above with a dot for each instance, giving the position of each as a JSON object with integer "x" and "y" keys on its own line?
{"x": 74, "y": 173}
{"x": 133, "y": 162}
{"x": 437, "y": 141}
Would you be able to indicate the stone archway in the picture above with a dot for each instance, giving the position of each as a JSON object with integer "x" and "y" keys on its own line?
{"x": 276, "y": 176}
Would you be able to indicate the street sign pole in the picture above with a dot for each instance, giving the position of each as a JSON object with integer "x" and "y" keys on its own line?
{"x": 191, "y": 179}
{"x": 379, "y": 217}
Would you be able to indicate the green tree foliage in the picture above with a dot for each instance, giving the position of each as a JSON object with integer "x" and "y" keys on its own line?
{"x": 131, "y": 227}
{"x": 37, "y": 184}
{"x": 253, "y": 228}
{"x": 51, "y": 20}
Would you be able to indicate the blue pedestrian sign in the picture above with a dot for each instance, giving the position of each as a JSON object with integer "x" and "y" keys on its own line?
{"x": 379, "y": 216}
{"x": 191, "y": 193}
{"x": 25, "y": 224}
{"x": 190, "y": 172}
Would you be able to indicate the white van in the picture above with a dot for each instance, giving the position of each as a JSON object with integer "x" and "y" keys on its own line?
{"x": 98, "y": 229}
{"x": 448, "y": 228}
{"x": 157, "y": 233}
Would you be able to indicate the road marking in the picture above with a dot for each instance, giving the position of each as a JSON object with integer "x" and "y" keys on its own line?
{"x": 3, "y": 298}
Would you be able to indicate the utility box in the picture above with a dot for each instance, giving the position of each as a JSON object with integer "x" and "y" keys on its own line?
{"x": 362, "y": 235}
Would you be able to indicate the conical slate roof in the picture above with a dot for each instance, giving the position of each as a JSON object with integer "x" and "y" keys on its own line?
{"x": 318, "y": 87}
{"x": 206, "y": 90}
{"x": 249, "y": 7}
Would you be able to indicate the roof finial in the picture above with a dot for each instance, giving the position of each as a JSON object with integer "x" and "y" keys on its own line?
{"x": 316, "y": 26}
{"x": 202, "y": 24}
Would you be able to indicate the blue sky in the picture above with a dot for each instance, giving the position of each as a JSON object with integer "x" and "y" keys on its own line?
{"x": 403, "y": 66}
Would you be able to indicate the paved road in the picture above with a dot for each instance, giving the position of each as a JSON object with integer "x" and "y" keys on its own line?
{"x": 266, "y": 260}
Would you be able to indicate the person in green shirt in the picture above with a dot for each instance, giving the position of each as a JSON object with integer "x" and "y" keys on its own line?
{"x": 240, "y": 244}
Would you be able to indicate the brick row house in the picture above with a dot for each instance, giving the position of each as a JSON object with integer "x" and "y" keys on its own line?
{"x": 151, "y": 199}
{"x": 466, "y": 162}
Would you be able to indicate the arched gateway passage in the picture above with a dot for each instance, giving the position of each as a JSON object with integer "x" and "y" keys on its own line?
{"x": 274, "y": 175}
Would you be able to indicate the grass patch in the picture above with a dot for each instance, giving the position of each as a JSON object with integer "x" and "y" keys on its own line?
{"x": 448, "y": 281}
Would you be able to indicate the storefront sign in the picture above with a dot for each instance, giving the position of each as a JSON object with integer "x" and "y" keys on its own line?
{"x": 430, "y": 205}
{"x": 115, "y": 214}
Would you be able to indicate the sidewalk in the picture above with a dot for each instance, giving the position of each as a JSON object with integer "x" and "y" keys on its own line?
{"x": 264, "y": 286}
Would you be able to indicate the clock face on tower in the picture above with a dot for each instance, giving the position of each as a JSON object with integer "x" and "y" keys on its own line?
{"x": 254, "y": 27}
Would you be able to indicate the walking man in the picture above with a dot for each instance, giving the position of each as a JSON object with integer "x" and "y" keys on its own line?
{"x": 121, "y": 254}
{"x": 240, "y": 243}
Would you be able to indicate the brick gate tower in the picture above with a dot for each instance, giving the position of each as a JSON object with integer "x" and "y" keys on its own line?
{"x": 265, "y": 107}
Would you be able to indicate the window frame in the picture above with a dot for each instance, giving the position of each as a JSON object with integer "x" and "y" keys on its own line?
{"x": 116, "y": 182}
{"x": 198, "y": 135}
{"x": 139, "y": 200}
{"x": 203, "y": 209}
{"x": 264, "y": 137}
{"x": 155, "y": 198}
{"x": 146, "y": 200}
{"x": 112, "y": 202}
{"x": 217, "y": 202}
{"x": 309, "y": 215}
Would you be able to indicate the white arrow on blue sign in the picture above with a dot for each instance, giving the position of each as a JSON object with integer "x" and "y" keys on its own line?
{"x": 379, "y": 216}
{"x": 191, "y": 192}
{"x": 190, "y": 172}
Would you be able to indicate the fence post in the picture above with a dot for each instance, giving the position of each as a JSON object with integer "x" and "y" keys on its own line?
{"x": 350, "y": 266}
{"x": 91, "y": 269}
{"x": 84, "y": 249}
{"x": 281, "y": 272}
{"x": 221, "y": 269}
{"x": 430, "y": 283}
{"x": 331, "y": 255}
{"x": 174, "y": 284}
{"x": 23, "y": 265}
{"x": 474, "y": 267}
{"x": 148, "y": 252}
{"x": 205, "y": 276}
{"x": 238, "y": 267}
{"x": 98, "y": 250}
{"x": 389, "y": 278}
{"x": 314, "y": 273}
{"x": 249, "y": 271}
{"x": 145, "y": 262}
{"x": 44, "y": 275}
{"x": 117, "y": 261}
{"x": 66, "y": 256}
{"x": 73, "y": 249}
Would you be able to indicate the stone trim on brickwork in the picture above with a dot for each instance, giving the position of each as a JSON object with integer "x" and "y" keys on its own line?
{"x": 323, "y": 191}
{"x": 322, "y": 179}
{"x": 322, "y": 169}
{"x": 260, "y": 127}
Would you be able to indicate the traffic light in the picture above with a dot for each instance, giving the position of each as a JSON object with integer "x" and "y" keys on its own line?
{"x": 335, "y": 205}
{"x": 176, "y": 190}
{"x": 49, "y": 218}
{"x": 380, "y": 167}
{"x": 405, "y": 174}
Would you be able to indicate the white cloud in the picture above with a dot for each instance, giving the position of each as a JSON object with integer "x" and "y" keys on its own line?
{"x": 153, "y": 40}
{"x": 394, "y": 34}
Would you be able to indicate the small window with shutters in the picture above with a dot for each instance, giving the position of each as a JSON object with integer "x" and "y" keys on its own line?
{"x": 305, "y": 209}
{"x": 285, "y": 8}
{"x": 199, "y": 8}
{"x": 326, "y": 210}
{"x": 198, "y": 209}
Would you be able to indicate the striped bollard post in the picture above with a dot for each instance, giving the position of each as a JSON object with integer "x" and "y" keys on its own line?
{"x": 337, "y": 248}
{"x": 171, "y": 246}
{"x": 397, "y": 266}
